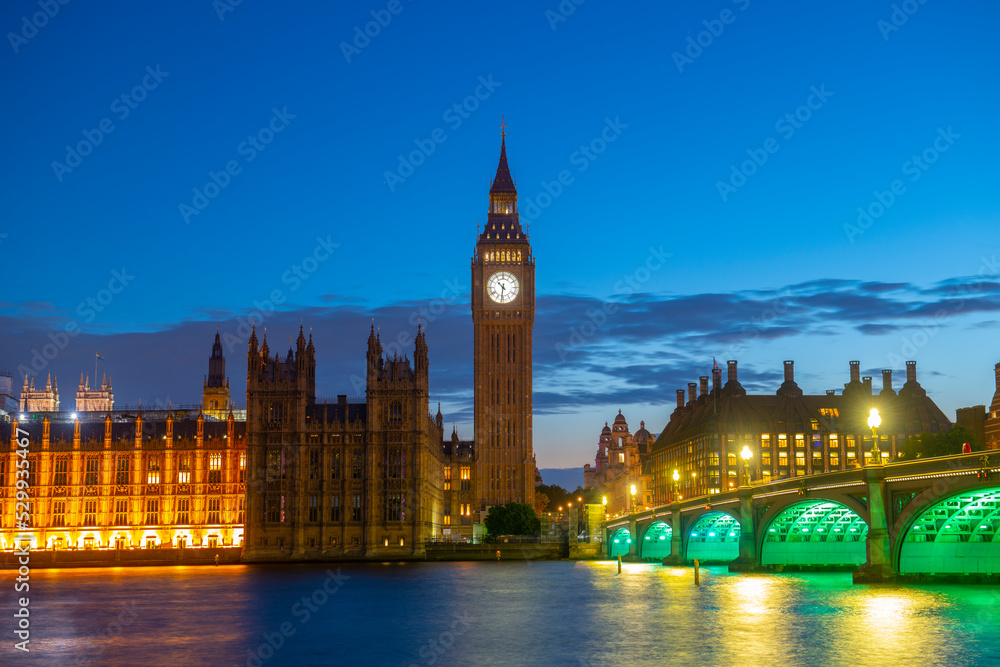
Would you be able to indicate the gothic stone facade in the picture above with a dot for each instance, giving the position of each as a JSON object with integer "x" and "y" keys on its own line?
{"x": 351, "y": 480}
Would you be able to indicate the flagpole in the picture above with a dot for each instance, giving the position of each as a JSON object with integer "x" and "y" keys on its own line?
{"x": 95, "y": 367}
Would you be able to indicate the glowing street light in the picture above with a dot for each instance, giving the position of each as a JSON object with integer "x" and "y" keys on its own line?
{"x": 633, "y": 498}
{"x": 677, "y": 479}
{"x": 747, "y": 455}
{"x": 874, "y": 421}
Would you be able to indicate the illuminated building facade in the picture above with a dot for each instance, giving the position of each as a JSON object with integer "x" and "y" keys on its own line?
{"x": 121, "y": 484}
{"x": 40, "y": 400}
{"x": 618, "y": 465}
{"x": 788, "y": 434}
{"x": 98, "y": 399}
{"x": 350, "y": 480}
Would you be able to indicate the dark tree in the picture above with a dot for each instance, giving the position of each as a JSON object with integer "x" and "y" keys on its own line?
{"x": 512, "y": 519}
{"x": 927, "y": 445}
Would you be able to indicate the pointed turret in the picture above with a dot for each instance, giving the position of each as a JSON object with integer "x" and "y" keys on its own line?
{"x": 502, "y": 182}
{"x": 503, "y": 226}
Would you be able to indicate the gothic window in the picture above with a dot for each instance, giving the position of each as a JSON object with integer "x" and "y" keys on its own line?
{"x": 395, "y": 413}
{"x": 152, "y": 511}
{"x": 59, "y": 513}
{"x": 356, "y": 464}
{"x": 61, "y": 467}
{"x": 314, "y": 464}
{"x": 243, "y": 469}
{"x": 213, "y": 511}
{"x": 121, "y": 512}
{"x": 183, "y": 512}
{"x": 395, "y": 464}
{"x": 90, "y": 513}
{"x": 215, "y": 468}
{"x": 91, "y": 473}
{"x": 335, "y": 465}
{"x": 335, "y": 508}
{"x": 313, "y": 508}
{"x": 184, "y": 469}
{"x": 447, "y": 479}
{"x": 356, "y": 507}
{"x": 153, "y": 469}
{"x": 240, "y": 509}
{"x": 121, "y": 469}
{"x": 394, "y": 507}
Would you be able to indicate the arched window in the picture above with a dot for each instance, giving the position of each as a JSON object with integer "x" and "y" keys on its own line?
{"x": 395, "y": 413}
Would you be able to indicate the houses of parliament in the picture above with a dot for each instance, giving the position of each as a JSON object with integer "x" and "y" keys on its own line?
{"x": 297, "y": 479}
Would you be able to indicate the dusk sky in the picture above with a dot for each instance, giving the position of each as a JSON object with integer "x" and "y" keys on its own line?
{"x": 743, "y": 180}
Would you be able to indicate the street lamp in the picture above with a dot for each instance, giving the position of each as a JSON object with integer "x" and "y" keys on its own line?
{"x": 633, "y": 498}
{"x": 747, "y": 455}
{"x": 874, "y": 421}
{"x": 677, "y": 478}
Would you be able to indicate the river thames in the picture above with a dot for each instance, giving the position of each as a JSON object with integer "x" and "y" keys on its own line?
{"x": 512, "y": 613}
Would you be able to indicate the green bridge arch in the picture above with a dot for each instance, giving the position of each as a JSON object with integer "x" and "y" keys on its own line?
{"x": 619, "y": 543}
{"x": 655, "y": 544}
{"x": 957, "y": 535}
{"x": 815, "y": 532}
{"x": 714, "y": 537}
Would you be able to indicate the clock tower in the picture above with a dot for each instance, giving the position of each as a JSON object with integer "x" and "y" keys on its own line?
{"x": 503, "y": 313}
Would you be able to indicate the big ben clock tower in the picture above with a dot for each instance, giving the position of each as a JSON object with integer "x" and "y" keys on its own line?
{"x": 503, "y": 313}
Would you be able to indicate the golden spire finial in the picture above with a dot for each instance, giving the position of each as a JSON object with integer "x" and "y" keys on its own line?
{"x": 503, "y": 126}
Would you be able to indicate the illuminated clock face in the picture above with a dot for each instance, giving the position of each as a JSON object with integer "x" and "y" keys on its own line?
{"x": 502, "y": 287}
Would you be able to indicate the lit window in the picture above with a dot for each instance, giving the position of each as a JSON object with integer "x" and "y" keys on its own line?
{"x": 153, "y": 469}
{"x": 183, "y": 512}
{"x": 121, "y": 513}
{"x": 213, "y": 511}
{"x": 447, "y": 478}
{"x": 214, "y": 468}
{"x": 466, "y": 473}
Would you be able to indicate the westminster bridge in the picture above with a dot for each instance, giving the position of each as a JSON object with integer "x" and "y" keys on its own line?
{"x": 925, "y": 516}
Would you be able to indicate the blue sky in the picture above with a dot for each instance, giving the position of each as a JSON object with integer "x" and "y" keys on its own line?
{"x": 734, "y": 163}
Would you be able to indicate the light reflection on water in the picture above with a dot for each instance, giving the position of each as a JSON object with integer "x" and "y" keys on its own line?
{"x": 514, "y": 613}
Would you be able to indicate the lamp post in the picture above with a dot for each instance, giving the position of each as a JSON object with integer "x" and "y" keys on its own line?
{"x": 747, "y": 455}
{"x": 677, "y": 478}
{"x": 874, "y": 421}
{"x": 632, "y": 489}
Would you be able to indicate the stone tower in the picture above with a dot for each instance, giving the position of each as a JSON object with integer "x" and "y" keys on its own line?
{"x": 503, "y": 313}
{"x": 215, "y": 391}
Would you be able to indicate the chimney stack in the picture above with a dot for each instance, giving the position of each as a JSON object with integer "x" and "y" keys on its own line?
{"x": 887, "y": 381}
{"x": 831, "y": 392}
{"x": 732, "y": 370}
{"x": 789, "y": 371}
{"x": 692, "y": 391}
{"x": 867, "y": 380}
{"x": 911, "y": 371}
{"x": 717, "y": 379}
{"x": 855, "y": 371}
{"x": 704, "y": 385}
{"x": 680, "y": 398}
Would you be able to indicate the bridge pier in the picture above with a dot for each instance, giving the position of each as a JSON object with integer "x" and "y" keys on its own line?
{"x": 676, "y": 556}
{"x": 747, "y": 561}
{"x": 633, "y": 548}
{"x": 879, "y": 568}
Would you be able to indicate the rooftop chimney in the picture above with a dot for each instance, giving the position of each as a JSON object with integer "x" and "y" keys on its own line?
{"x": 692, "y": 391}
{"x": 887, "y": 382}
{"x": 831, "y": 392}
{"x": 717, "y": 380}
{"x": 912, "y": 387}
{"x": 867, "y": 380}
{"x": 855, "y": 371}
{"x": 680, "y": 398}
{"x": 704, "y": 386}
{"x": 788, "y": 387}
{"x": 733, "y": 386}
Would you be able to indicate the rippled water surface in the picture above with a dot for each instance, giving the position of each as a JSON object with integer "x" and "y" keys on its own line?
{"x": 511, "y": 613}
